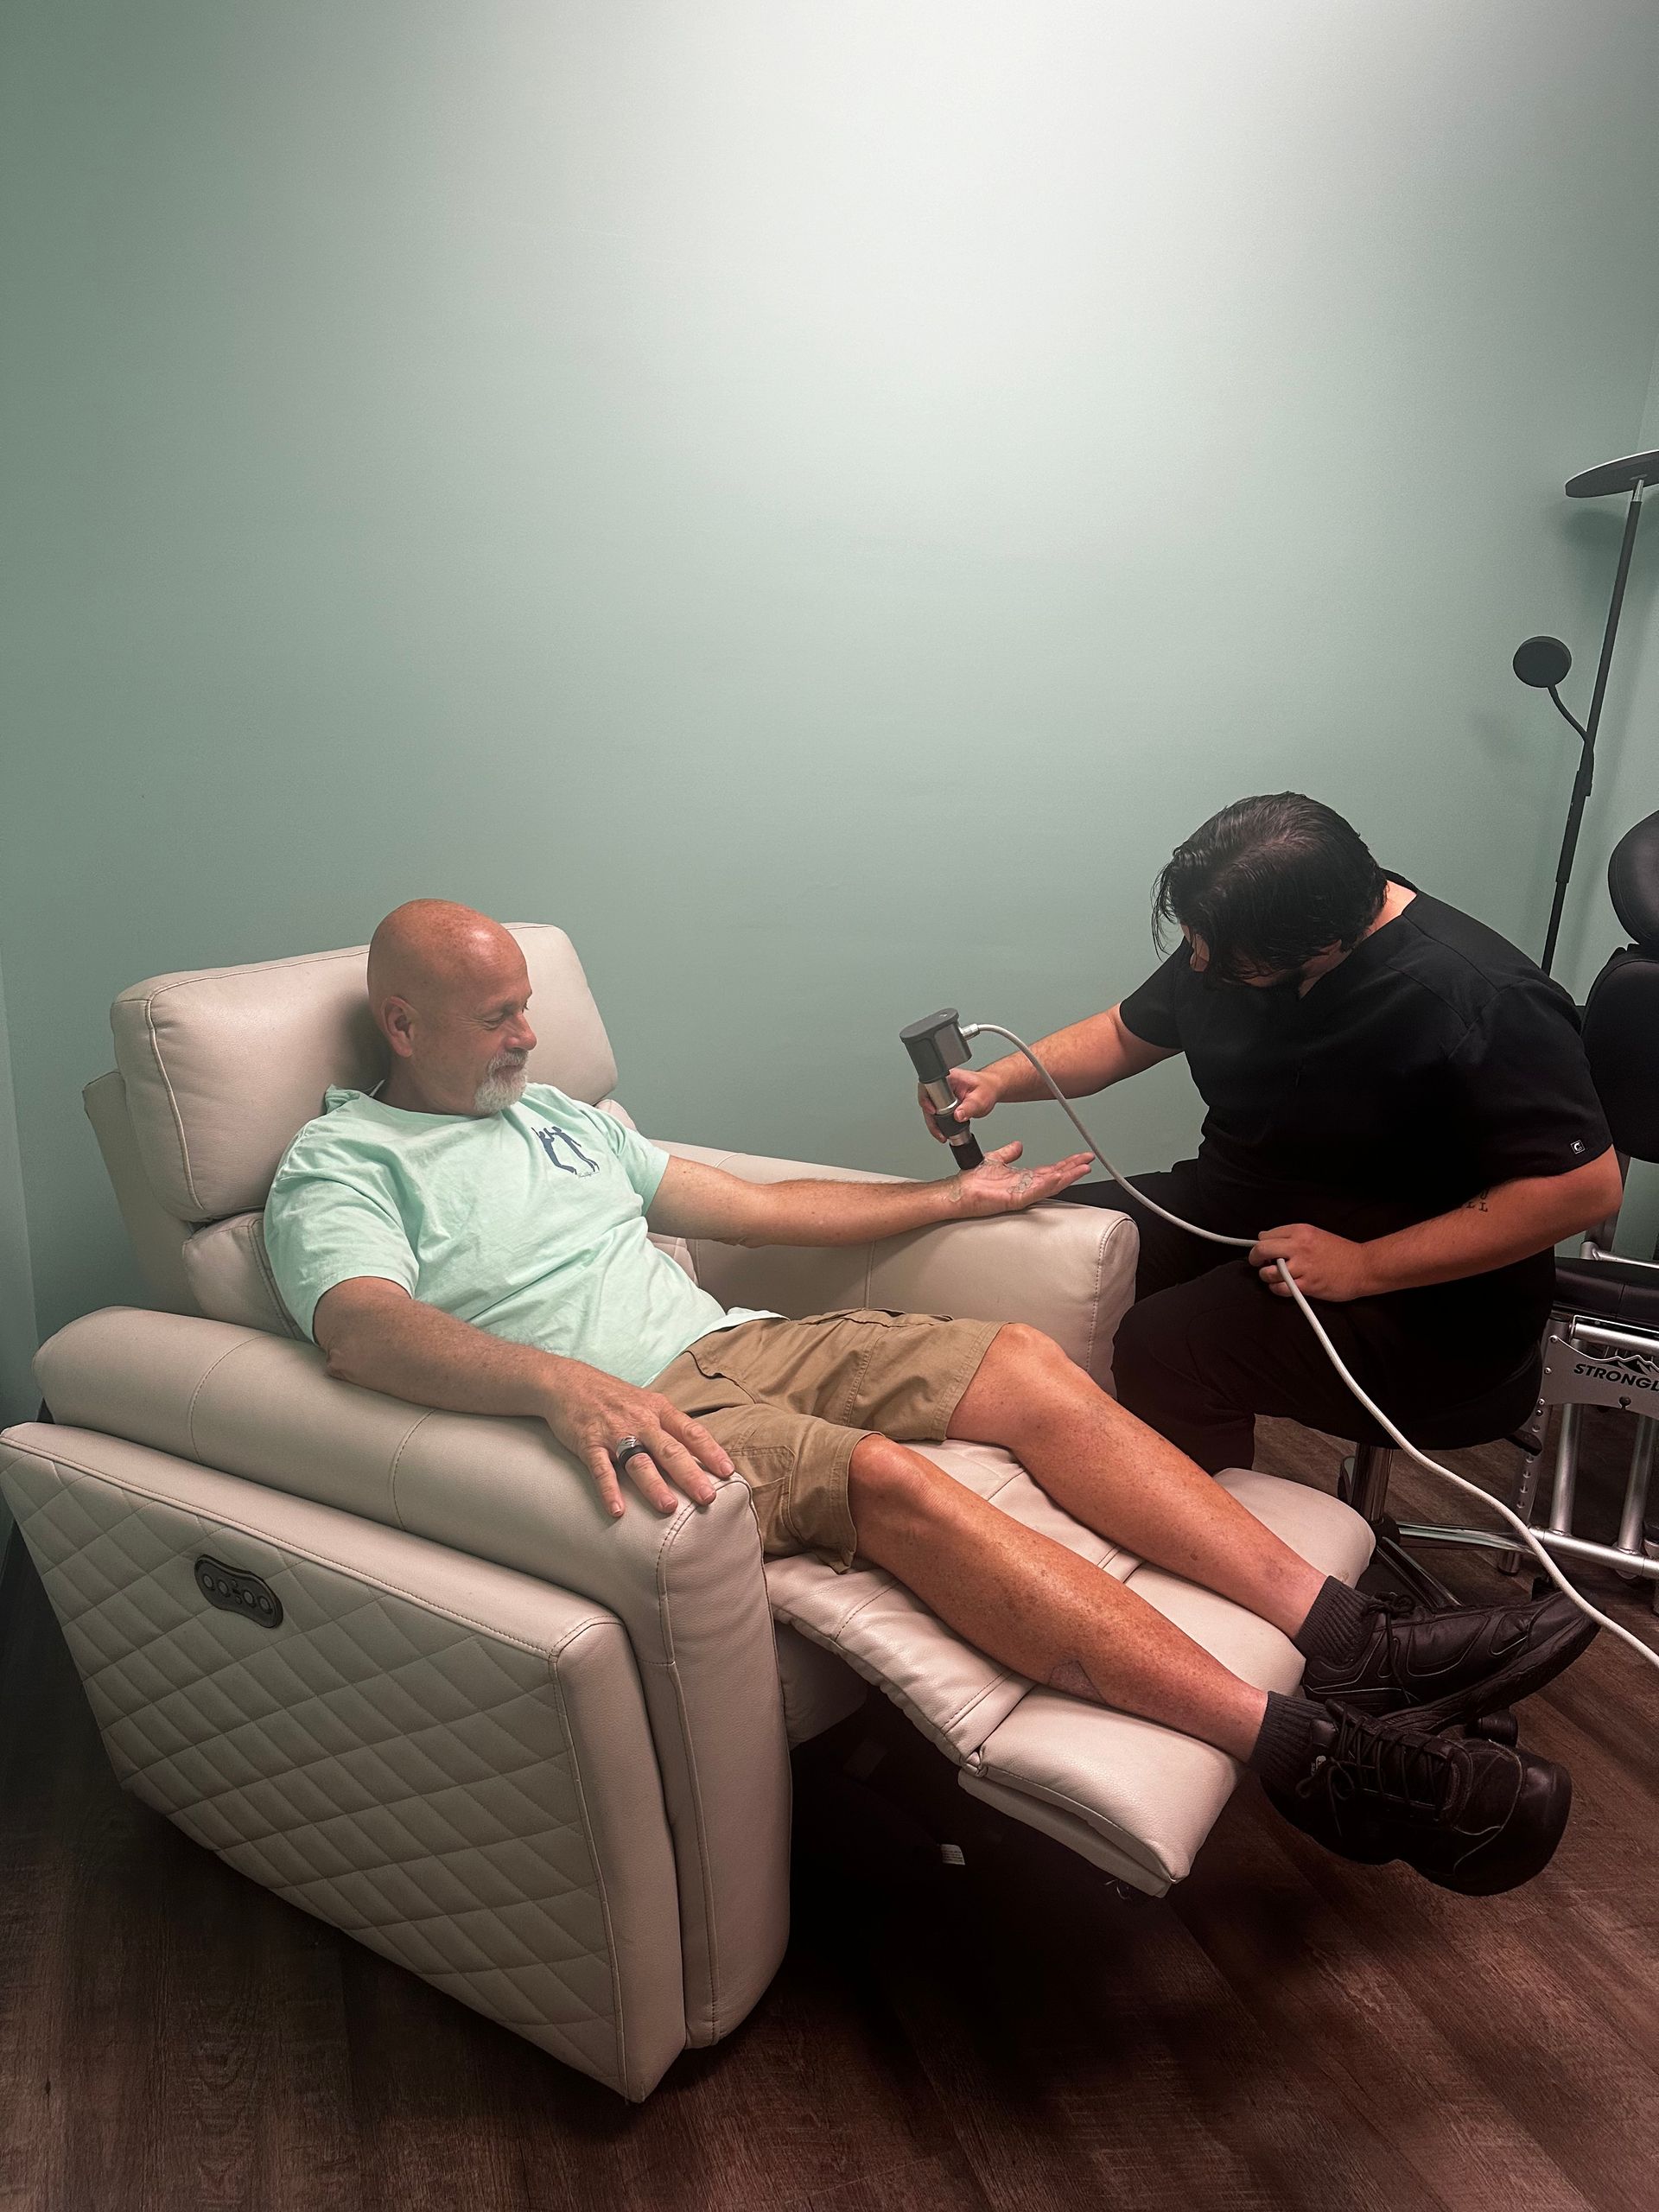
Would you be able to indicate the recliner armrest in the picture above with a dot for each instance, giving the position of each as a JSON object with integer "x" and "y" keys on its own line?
{"x": 689, "y": 1589}
{"x": 1069, "y": 1270}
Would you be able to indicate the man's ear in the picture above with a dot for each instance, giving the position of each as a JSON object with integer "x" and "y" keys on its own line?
{"x": 397, "y": 1021}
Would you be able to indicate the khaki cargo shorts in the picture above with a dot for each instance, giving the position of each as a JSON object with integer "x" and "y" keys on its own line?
{"x": 791, "y": 1401}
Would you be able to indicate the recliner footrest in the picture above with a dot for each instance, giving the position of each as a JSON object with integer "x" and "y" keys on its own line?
{"x": 1133, "y": 1797}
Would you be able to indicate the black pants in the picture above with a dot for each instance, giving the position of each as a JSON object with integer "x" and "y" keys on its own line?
{"x": 1207, "y": 1346}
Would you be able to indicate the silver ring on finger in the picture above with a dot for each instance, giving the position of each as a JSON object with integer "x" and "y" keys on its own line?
{"x": 626, "y": 1448}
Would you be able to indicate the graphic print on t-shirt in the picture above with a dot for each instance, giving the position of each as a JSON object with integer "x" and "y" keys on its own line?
{"x": 550, "y": 1140}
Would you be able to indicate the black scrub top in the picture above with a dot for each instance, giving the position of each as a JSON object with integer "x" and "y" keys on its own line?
{"x": 1434, "y": 1062}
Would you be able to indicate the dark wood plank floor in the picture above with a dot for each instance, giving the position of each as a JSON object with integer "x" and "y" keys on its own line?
{"x": 1285, "y": 2031}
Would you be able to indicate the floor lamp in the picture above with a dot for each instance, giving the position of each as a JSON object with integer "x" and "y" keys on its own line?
{"x": 1544, "y": 662}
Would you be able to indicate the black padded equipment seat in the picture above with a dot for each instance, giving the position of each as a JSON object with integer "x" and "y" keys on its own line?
{"x": 1596, "y": 1290}
{"x": 1621, "y": 1019}
{"x": 1620, "y": 1291}
{"x": 1621, "y": 1038}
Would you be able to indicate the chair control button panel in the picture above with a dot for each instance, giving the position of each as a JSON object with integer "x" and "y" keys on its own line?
{"x": 235, "y": 1590}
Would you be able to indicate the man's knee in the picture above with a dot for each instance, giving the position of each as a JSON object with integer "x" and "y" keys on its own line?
{"x": 1024, "y": 1379}
{"x": 897, "y": 1499}
{"x": 1027, "y": 1357}
{"x": 888, "y": 1478}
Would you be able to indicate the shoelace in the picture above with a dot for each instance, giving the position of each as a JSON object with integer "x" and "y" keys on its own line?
{"x": 1408, "y": 1772}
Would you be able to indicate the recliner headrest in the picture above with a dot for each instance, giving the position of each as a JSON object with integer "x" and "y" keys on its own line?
{"x": 222, "y": 1066}
{"x": 1633, "y": 881}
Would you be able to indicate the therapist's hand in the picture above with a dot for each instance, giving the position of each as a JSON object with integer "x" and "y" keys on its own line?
{"x": 1334, "y": 1269}
{"x": 976, "y": 1093}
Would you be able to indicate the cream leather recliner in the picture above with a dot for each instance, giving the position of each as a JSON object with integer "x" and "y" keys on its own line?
{"x": 396, "y": 1665}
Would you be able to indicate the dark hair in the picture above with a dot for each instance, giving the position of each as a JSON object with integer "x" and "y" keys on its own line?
{"x": 1268, "y": 882}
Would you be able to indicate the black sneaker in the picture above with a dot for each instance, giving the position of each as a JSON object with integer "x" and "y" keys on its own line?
{"x": 1463, "y": 1660}
{"x": 1469, "y": 1815}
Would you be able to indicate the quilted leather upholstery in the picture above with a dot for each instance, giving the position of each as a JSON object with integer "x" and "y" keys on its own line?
{"x": 448, "y": 1760}
{"x": 688, "y": 1589}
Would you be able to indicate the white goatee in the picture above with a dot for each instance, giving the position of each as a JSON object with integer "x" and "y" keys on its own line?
{"x": 501, "y": 1088}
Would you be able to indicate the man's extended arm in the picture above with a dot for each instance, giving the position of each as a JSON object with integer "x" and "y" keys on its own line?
{"x": 694, "y": 1200}
{"x": 1509, "y": 1222}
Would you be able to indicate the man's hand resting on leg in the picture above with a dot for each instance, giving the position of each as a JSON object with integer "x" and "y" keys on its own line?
{"x": 590, "y": 1412}
{"x": 373, "y": 1333}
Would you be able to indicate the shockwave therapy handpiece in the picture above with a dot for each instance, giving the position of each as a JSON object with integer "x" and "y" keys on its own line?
{"x": 936, "y": 1044}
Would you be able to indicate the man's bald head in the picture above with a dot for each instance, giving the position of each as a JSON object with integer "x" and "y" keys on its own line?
{"x": 448, "y": 987}
{"x": 427, "y": 947}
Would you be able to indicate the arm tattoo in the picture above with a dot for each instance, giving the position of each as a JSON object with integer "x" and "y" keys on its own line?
{"x": 1478, "y": 1203}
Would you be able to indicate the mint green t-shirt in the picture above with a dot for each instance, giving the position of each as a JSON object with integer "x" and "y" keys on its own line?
{"x": 530, "y": 1223}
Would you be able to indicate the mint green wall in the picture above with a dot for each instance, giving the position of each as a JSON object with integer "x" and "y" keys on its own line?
{"x": 817, "y": 499}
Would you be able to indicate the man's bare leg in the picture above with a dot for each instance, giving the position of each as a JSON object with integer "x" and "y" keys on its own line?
{"x": 1035, "y": 1607}
{"x": 1123, "y": 1479}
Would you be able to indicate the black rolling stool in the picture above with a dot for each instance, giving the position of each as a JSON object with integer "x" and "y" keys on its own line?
{"x": 1602, "y": 1344}
{"x": 1511, "y": 1414}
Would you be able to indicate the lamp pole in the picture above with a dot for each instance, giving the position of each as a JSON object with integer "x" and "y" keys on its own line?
{"x": 1544, "y": 670}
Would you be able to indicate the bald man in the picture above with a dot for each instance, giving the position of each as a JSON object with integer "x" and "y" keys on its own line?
{"x": 462, "y": 1239}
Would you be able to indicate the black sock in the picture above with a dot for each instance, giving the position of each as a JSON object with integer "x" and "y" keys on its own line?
{"x": 1338, "y": 1624}
{"x": 1289, "y": 1730}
